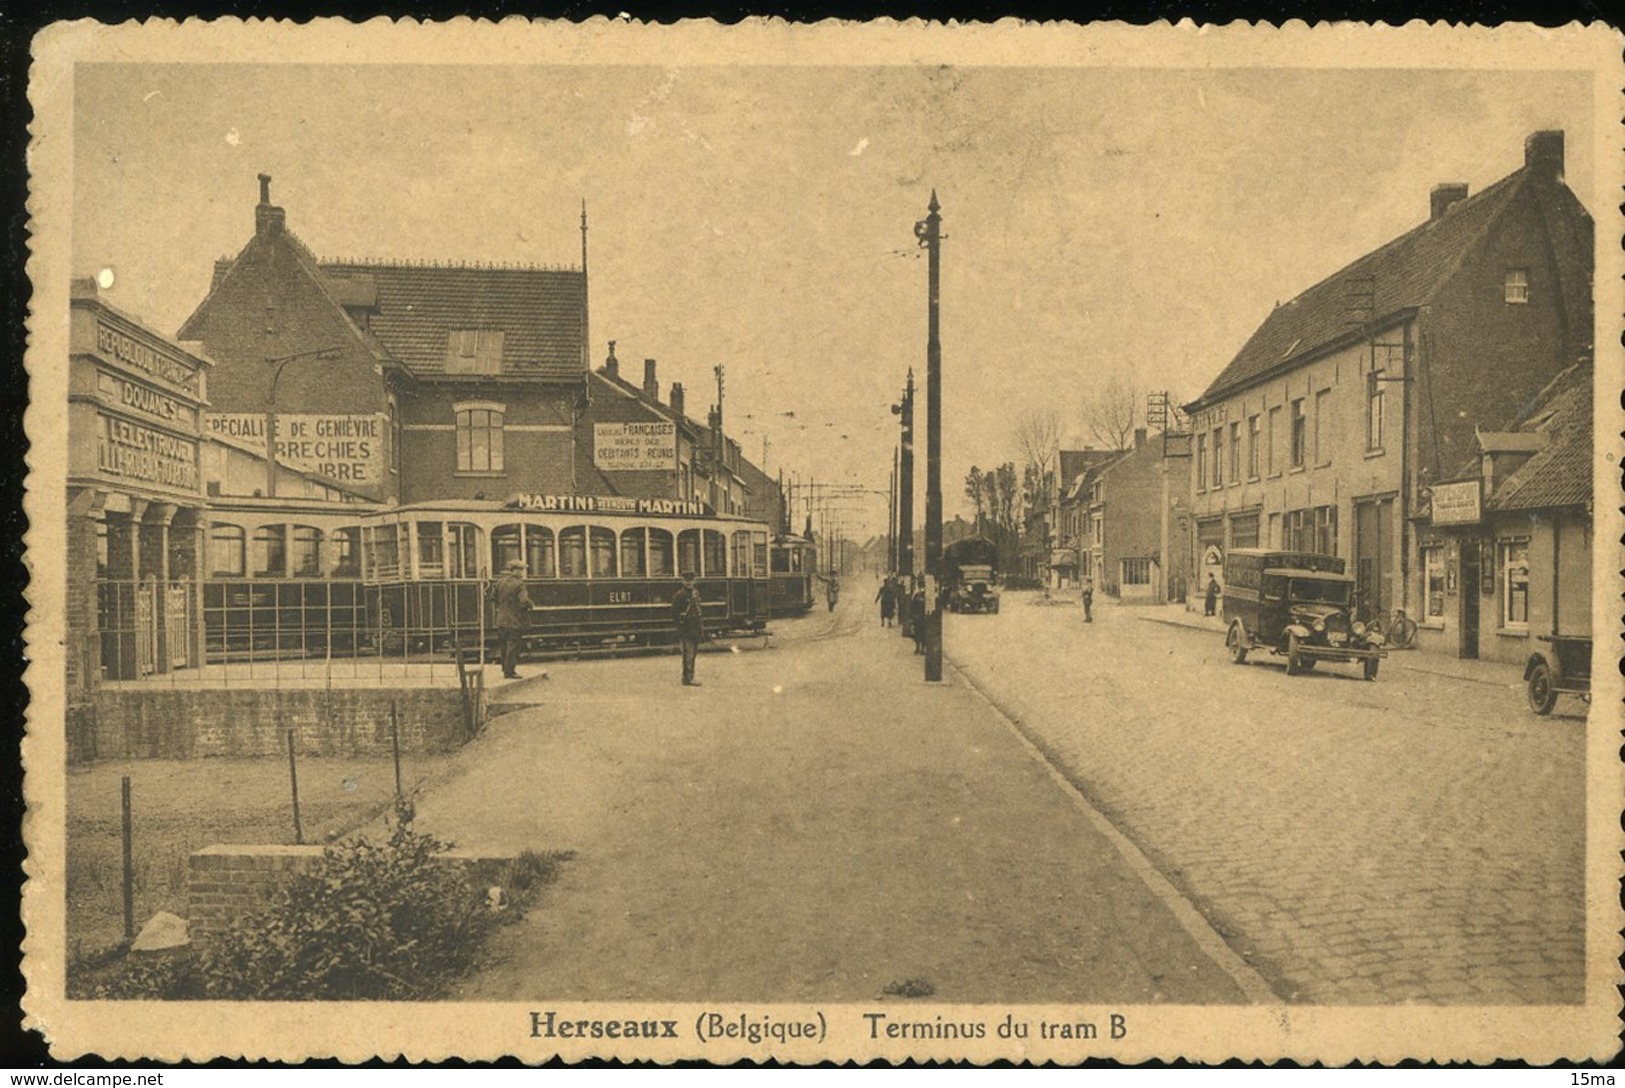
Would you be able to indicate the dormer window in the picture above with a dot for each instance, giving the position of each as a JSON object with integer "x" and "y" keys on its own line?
{"x": 1517, "y": 285}
{"x": 474, "y": 351}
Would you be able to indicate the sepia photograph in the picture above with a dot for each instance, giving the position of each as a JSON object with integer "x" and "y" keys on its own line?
{"x": 857, "y": 542}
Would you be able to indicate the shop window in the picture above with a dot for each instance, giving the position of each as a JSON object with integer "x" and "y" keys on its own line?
{"x": 661, "y": 564}
{"x": 573, "y": 552}
{"x": 1433, "y": 582}
{"x": 269, "y": 554}
{"x": 1136, "y": 572}
{"x": 601, "y": 543}
{"x": 479, "y": 439}
{"x": 634, "y": 552}
{"x": 1514, "y": 571}
{"x": 226, "y": 551}
{"x": 305, "y": 553}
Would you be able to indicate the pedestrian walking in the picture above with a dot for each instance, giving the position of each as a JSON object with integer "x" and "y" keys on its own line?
{"x": 1211, "y": 601}
{"x": 1088, "y": 600}
{"x": 513, "y": 607}
{"x": 916, "y": 611}
{"x": 690, "y": 620}
{"x": 832, "y": 591}
{"x": 888, "y": 600}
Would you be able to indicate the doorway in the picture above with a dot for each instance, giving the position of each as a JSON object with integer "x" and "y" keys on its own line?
{"x": 1471, "y": 571}
{"x": 1374, "y": 557}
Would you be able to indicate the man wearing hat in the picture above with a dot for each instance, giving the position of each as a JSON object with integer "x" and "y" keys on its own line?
{"x": 685, "y": 610}
{"x": 512, "y": 614}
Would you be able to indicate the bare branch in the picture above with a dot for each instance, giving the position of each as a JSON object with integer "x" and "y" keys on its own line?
{"x": 1110, "y": 412}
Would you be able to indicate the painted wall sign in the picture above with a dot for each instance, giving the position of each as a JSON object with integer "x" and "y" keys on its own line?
{"x": 130, "y": 451}
{"x": 140, "y": 398}
{"x": 132, "y": 352}
{"x": 641, "y": 447}
{"x": 1457, "y": 503}
{"x": 346, "y": 448}
{"x": 610, "y": 504}
{"x": 243, "y": 428}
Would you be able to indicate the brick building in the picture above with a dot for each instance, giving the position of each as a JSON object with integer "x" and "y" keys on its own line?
{"x": 1137, "y": 523}
{"x": 1367, "y": 388}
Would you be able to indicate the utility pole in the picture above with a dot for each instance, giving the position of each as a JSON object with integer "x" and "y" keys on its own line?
{"x": 891, "y": 518}
{"x": 929, "y": 232}
{"x": 905, "y": 497}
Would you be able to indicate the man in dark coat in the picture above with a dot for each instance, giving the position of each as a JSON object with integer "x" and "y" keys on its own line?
{"x": 1210, "y": 603}
{"x": 1088, "y": 600}
{"x": 685, "y": 612}
{"x": 888, "y": 600}
{"x": 513, "y": 607}
{"x": 916, "y": 612}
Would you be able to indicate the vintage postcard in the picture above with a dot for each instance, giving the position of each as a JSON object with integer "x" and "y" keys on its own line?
{"x": 859, "y": 541}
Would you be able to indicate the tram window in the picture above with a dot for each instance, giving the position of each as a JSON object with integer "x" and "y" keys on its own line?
{"x": 347, "y": 552}
{"x": 462, "y": 550}
{"x": 633, "y": 553}
{"x": 758, "y": 563}
{"x": 226, "y": 550}
{"x": 383, "y": 551}
{"x": 688, "y": 552}
{"x": 431, "y": 549}
{"x": 660, "y": 564}
{"x": 539, "y": 551}
{"x": 305, "y": 556}
{"x": 504, "y": 547}
{"x": 573, "y": 552}
{"x": 270, "y": 554}
{"x": 781, "y": 560}
{"x": 603, "y": 552}
{"x": 741, "y": 555}
{"x": 716, "y": 553}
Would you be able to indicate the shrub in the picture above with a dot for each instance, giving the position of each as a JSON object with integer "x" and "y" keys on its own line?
{"x": 371, "y": 921}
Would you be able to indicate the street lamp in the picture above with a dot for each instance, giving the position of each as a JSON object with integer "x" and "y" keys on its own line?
{"x": 279, "y": 362}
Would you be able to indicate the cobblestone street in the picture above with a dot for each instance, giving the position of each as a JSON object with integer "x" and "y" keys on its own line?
{"x": 1416, "y": 839}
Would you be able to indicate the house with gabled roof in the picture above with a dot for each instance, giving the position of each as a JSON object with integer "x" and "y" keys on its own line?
{"x": 1351, "y": 399}
{"x": 1505, "y": 546}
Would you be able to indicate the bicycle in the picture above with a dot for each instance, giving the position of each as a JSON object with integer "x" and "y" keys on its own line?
{"x": 1398, "y": 629}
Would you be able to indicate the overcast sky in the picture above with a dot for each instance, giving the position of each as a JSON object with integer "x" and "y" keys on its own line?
{"x": 1137, "y": 223}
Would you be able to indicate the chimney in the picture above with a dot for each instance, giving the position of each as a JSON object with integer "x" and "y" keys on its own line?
{"x": 1443, "y": 196}
{"x": 651, "y": 388}
{"x": 612, "y": 365}
{"x": 1543, "y": 154}
{"x": 268, "y": 218}
{"x": 1139, "y": 437}
{"x": 677, "y": 400}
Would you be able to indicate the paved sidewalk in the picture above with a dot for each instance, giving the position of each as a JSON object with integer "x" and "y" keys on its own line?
{"x": 1495, "y": 673}
{"x": 814, "y": 823}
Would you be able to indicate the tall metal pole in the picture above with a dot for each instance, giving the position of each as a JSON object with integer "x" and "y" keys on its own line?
{"x": 929, "y": 233}
{"x": 891, "y": 519}
{"x": 905, "y": 485}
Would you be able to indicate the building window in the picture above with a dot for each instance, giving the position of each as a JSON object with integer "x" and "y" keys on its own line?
{"x": 1252, "y": 447}
{"x": 226, "y": 551}
{"x": 270, "y": 552}
{"x": 1323, "y": 428}
{"x": 1218, "y": 457}
{"x": 1375, "y": 406}
{"x": 1269, "y": 440}
{"x": 1514, "y": 564}
{"x": 1433, "y": 582}
{"x": 1244, "y": 530}
{"x": 474, "y": 351}
{"x": 1201, "y": 462}
{"x": 1326, "y": 530}
{"x": 479, "y": 439}
{"x": 1099, "y": 521}
{"x": 1136, "y": 572}
{"x": 1297, "y": 531}
{"x": 1299, "y": 431}
{"x": 1517, "y": 285}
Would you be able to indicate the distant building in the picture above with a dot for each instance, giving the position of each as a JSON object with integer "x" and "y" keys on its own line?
{"x": 1351, "y": 399}
{"x": 1137, "y": 507}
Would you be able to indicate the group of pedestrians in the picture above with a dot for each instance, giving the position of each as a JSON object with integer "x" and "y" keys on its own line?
{"x": 908, "y": 606}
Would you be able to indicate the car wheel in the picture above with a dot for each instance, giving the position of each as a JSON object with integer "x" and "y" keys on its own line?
{"x": 1371, "y": 664}
{"x": 1542, "y": 695}
{"x": 1236, "y": 642}
{"x": 1294, "y": 659}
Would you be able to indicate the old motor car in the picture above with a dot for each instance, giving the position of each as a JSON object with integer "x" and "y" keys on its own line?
{"x": 1296, "y": 605}
{"x": 970, "y": 570}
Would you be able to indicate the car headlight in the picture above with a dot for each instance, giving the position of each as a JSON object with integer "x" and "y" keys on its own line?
{"x": 1320, "y": 625}
{"x": 1359, "y": 628}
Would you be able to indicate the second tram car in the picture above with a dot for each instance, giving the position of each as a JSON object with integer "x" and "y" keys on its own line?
{"x": 601, "y": 572}
{"x": 794, "y": 568}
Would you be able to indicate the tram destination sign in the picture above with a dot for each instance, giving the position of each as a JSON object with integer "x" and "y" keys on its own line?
{"x": 610, "y": 504}
{"x": 628, "y": 447}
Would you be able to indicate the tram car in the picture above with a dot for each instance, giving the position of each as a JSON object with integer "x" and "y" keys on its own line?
{"x": 600, "y": 571}
{"x": 793, "y": 570}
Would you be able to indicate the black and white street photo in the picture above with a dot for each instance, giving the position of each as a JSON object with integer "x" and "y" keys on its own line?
{"x": 842, "y": 543}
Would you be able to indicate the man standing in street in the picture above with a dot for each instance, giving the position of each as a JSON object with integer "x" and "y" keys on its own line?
{"x": 1088, "y": 600}
{"x": 685, "y": 610}
{"x": 513, "y": 606}
{"x": 1211, "y": 601}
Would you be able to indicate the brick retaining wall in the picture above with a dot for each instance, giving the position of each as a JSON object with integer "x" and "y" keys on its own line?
{"x": 226, "y": 882}
{"x": 183, "y": 724}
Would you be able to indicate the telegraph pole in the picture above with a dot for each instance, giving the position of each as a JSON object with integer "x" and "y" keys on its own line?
{"x": 929, "y": 232}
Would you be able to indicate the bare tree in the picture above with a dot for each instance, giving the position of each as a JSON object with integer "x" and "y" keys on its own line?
{"x": 1110, "y": 411}
{"x": 1038, "y": 435}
